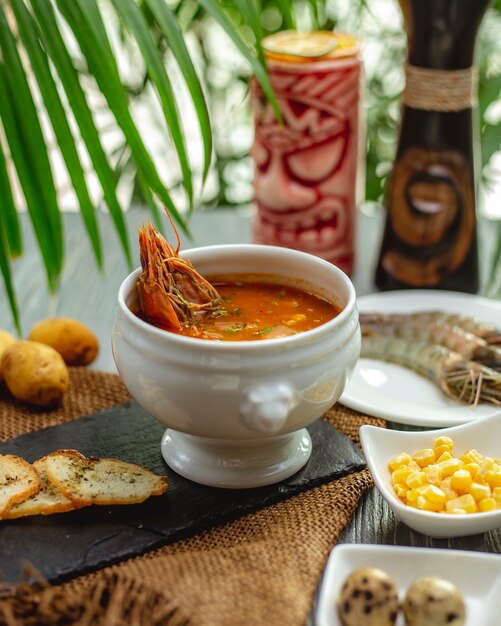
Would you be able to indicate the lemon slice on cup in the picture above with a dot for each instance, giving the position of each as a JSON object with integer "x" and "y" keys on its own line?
{"x": 307, "y": 46}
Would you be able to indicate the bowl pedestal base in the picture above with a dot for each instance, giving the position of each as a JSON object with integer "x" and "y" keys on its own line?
{"x": 236, "y": 464}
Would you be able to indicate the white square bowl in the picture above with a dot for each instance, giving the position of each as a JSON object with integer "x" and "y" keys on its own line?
{"x": 477, "y": 576}
{"x": 380, "y": 445}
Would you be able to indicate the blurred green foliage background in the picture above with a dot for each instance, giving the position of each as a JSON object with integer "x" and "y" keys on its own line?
{"x": 109, "y": 104}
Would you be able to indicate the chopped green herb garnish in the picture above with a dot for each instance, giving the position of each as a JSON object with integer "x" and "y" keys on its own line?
{"x": 219, "y": 312}
{"x": 263, "y": 331}
{"x": 235, "y": 328}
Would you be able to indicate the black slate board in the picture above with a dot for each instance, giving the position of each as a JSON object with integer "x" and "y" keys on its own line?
{"x": 66, "y": 545}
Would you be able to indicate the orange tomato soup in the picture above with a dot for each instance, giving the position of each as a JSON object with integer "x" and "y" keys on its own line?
{"x": 258, "y": 310}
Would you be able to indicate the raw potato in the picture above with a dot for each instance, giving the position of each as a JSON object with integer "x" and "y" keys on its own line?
{"x": 35, "y": 373}
{"x": 368, "y": 597}
{"x": 76, "y": 343}
{"x": 6, "y": 340}
{"x": 432, "y": 601}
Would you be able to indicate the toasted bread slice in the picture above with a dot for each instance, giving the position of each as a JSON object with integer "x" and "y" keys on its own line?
{"x": 102, "y": 481}
{"x": 49, "y": 499}
{"x": 18, "y": 481}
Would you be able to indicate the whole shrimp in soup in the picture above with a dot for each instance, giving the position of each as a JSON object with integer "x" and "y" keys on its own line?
{"x": 171, "y": 292}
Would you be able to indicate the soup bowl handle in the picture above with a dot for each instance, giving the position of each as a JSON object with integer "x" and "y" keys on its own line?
{"x": 266, "y": 407}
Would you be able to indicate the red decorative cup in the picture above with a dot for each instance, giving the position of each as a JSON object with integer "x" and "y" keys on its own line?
{"x": 309, "y": 169}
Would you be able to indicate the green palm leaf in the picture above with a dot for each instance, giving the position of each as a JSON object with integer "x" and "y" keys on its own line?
{"x": 170, "y": 30}
{"x": 7, "y": 277}
{"x": 137, "y": 25}
{"x": 57, "y": 115}
{"x": 96, "y": 50}
{"x": 10, "y": 237}
{"x": 287, "y": 13}
{"x": 212, "y": 7}
{"x": 60, "y": 58}
{"x": 8, "y": 214}
{"x": 30, "y": 132}
{"x": 28, "y": 182}
{"x": 250, "y": 11}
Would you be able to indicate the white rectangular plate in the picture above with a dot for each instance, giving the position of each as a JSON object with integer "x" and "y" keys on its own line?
{"x": 476, "y": 574}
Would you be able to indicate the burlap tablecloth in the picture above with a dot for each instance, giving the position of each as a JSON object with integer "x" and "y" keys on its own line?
{"x": 260, "y": 569}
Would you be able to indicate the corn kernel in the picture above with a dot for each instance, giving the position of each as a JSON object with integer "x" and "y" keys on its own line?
{"x": 414, "y": 466}
{"x": 415, "y": 479}
{"x": 479, "y": 491}
{"x": 448, "y": 467}
{"x": 461, "y": 481}
{"x": 432, "y": 473}
{"x": 446, "y": 486}
{"x": 434, "y": 494}
{"x": 445, "y": 456}
{"x": 434, "y": 480}
{"x": 428, "y": 505}
{"x": 439, "y": 450}
{"x": 485, "y": 467}
{"x": 444, "y": 441}
{"x": 399, "y": 476}
{"x": 424, "y": 457}
{"x": 465, "y": 502}
{"x": 413, "y": 494}
{"x": 471, "y": 468}
{"x": 400, "y": 491}
{"x": 493, "y": 478}
{"x": 487, "y": 504}
{"x": 471, "y": 456}
{"x": 294, "y": 319}
{"x": 400, "y": 459}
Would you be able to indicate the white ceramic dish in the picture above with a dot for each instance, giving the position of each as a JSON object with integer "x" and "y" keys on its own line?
{"x": 477, "y": 575}
{"x": 380, "y": 444}
{"x": 400, "y": 395}
{"x": 236, "y": 412}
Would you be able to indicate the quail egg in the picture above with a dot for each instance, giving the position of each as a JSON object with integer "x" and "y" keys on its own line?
{"x": 368, "y": 597}
{"x": 432, "y": 601}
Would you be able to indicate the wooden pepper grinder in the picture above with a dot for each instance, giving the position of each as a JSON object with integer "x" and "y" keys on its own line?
{"x": 430, "y": 238}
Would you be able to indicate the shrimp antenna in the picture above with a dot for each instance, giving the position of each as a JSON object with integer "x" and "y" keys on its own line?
{"x": 174, "y": 229}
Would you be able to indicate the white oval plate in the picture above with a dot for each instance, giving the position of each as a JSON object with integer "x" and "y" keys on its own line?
{"x": 477, "y": 575}
{"x": 400, "y": 395}
{"x": 381, "y": 444}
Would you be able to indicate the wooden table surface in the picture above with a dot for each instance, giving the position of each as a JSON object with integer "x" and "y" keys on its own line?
{"x": 90, "y": 296}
